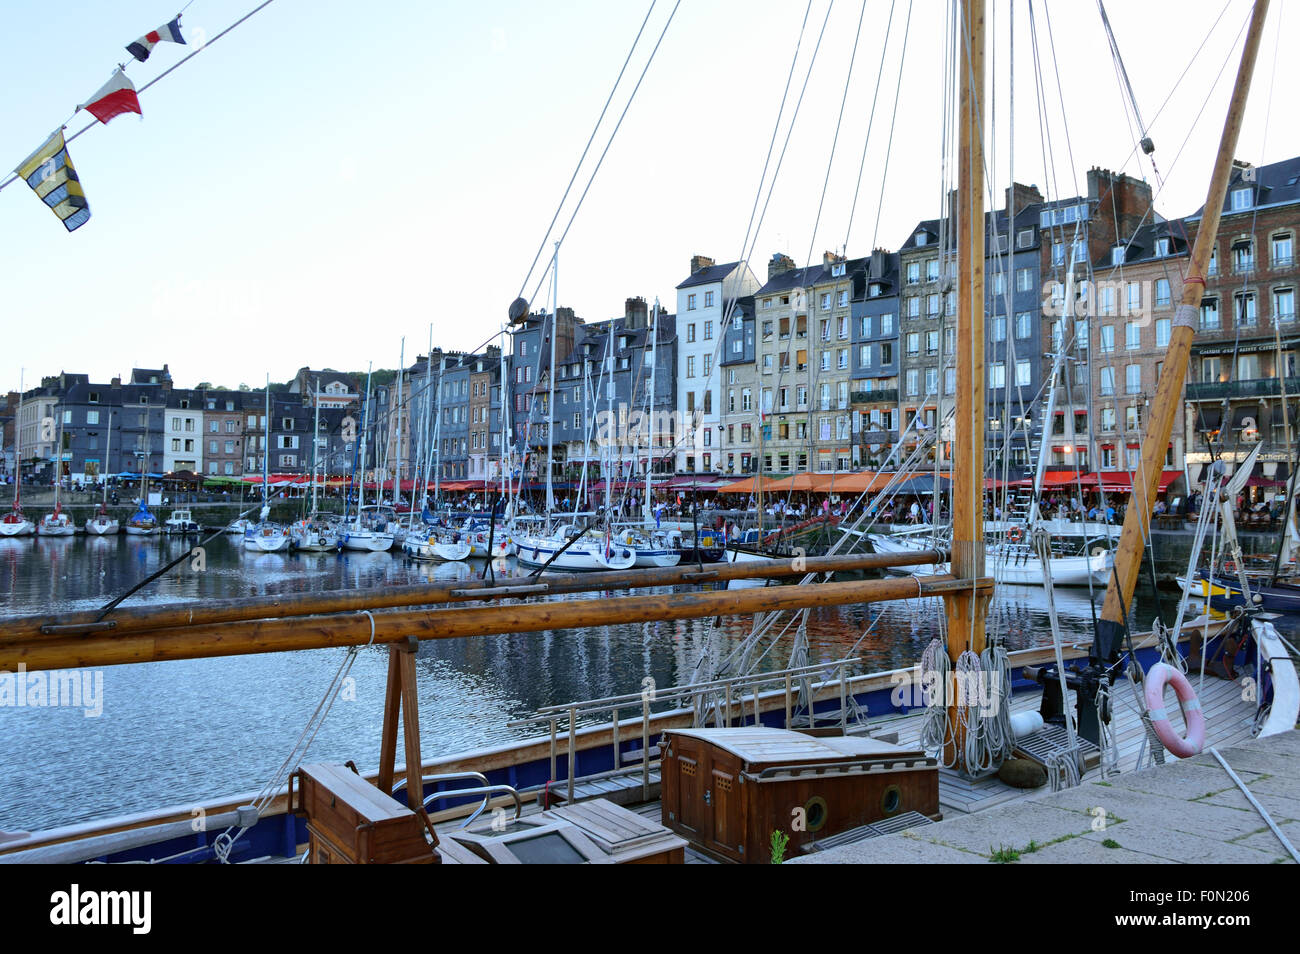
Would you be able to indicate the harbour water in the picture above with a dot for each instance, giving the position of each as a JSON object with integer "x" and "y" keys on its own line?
{"x": 176, "y": 733}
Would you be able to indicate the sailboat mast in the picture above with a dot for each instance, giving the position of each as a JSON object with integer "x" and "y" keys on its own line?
{"x": 18, "y": 442}
{"x": 608, "y": 452}
{"x": 365, "y": 413}
{"x": 965, "y": 609}
{"x": 437, "y": 432}
{"x": 550, "y": 403}
{"x": 1169, "y": 387}
{"x": 398, "y": 417}
{"x": 315, "y": 448}
{"x": 650, "y": 434}
{"x": 504, "y": 418}
{"x": 266, "y": 449}
{"x": 108, "y": 458}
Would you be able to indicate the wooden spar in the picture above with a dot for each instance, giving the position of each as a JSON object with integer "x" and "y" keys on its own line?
{"x": 124, "y": 620}
{"x": 966, "y": 607}
{"x": 355, "y": 629}
{"x": 1169, "y": 388}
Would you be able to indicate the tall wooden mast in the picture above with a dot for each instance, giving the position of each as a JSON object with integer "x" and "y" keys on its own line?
{"x": 1169, "y": 388}
{"x": 965, "y": 609}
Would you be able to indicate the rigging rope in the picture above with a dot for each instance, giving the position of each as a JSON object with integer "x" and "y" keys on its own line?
{"x": 225, "y": 842}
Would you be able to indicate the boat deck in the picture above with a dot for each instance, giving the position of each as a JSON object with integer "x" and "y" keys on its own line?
{"x": 1228, "y": 723}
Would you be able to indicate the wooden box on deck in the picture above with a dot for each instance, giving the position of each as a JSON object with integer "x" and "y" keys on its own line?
{"x": 727, "y": 790}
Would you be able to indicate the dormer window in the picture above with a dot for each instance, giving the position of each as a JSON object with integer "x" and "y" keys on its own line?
{"x": 837, "y": 270}
{"x": 922, "y": 238}
{"x": 1117, "y": 255}
{"x": 1024, "y": 238}
{"x": 1162, "y": 247}
{"x": 1241, "y": 199}
{"x": 875, "y": 289}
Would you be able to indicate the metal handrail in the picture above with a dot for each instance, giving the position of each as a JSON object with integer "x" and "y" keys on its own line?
{"x": 487, "y": 791}
{"x": 589, "y": 705}
{"x": 448, "y": 777}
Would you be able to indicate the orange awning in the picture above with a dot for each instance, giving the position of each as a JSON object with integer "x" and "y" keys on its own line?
{"x": 748, "y": 486}
{"x": 803, "y": 483}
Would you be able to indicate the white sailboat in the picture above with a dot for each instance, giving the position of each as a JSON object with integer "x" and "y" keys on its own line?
{"x": 424, "y": 541}
{"x": 58, "y": 523}
{"x": 102, "y": 524}
{"x": 264, "y": 536}
{"x": 317, "y": 532}
{"x": 365, "y": 532}
{"x": 14, "y": 524}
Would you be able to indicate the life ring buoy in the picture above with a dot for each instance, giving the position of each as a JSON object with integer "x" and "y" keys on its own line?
{"x": 1160, "y": 675}
{"x": 1014, "y": 535}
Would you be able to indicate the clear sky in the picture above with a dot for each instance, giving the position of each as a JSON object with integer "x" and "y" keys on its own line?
{"x": 332, "y": 176}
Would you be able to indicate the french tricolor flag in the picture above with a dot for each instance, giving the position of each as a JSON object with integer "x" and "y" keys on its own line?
{"x": 114, "y": 98}
{"x": 170, "y": 33}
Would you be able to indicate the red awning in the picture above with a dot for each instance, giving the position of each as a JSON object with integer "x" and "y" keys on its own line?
{"x": 1121, "y": 481}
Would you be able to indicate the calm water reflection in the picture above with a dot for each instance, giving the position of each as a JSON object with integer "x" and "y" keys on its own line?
{"x": 175, "y": 732}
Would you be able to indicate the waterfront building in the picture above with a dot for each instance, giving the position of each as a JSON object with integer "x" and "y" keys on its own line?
{"x": 529, "y": 387}
{"x": 223, "y": 433}
{"x": 875, "y": 359}
{"x": 783, "y": 393}
{"x": 705, "y": 300}
{"x": 1138, "y": 288}
{"x": 829, "y": 363}
{"x": 183, "y": 432}
{"x": 1244, "y": 379}
{"x": 738, "y": 420}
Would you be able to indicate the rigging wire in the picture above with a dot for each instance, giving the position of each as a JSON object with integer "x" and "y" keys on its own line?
{"x": 175, "y": 66}
{"x": 581, "y": 159}
{"x": 599, "y": 162}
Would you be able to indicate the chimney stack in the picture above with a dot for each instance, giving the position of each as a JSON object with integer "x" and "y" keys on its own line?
{"x": 779, "y": 265}
{"x": 700, "y": 261}
{"x": 1024, "y": 195}
{"x": 634, "y": 313}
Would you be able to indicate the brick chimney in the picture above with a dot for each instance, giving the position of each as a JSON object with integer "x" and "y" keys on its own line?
{"x": 1119, "y": 203}
{"x": 634, "y": 313}
{"x": 830, "y": 258}
{"x": 1024, "y": 195}
{"x": 700, "y": 261}
{"x": 779, "y": 265}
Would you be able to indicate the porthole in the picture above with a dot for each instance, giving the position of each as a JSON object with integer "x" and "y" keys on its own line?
{"x": 892, "y": 800}
{"x": 815, "y": 812}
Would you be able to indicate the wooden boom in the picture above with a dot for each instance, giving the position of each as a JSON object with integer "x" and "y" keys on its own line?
{"x": 360, "y": 628}
{"x": 136, "y": 619}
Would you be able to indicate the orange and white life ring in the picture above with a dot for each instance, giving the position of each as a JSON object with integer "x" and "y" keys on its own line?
{"x": 1014, "y": 535}
{"x": 1160, "y": 675}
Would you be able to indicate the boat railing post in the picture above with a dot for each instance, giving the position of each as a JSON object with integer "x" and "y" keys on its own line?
{"x": 573, "y": 745}
{"x": 554, "y": 727}
{"x": 788, "y": 705}
{"x": 618, "y": 758}
{"x": 645, "y": 746}
{"x": 844, "y": 697}
{"x": 726, "y": 706}
{"x": 756, "y": 719}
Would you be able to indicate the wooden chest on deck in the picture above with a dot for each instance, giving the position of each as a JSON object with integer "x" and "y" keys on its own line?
{"x": 728, "y": 790}
{"x": 349, "y": 821}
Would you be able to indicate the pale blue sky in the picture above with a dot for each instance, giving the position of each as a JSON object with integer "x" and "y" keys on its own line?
{"x": 331, "y": 176}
